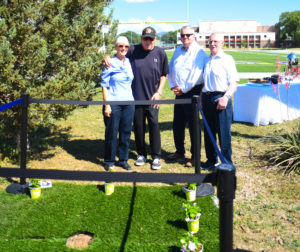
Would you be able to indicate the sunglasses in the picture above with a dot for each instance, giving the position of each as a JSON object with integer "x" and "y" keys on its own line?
{"x": 123, "y": 46}
{"x": 151, "y": 39}
{"x": 186, "y": 35}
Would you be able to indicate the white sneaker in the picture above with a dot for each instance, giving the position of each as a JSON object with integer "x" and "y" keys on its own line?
{"x": 156, "y": 165}
{"x": 140, "y": 160}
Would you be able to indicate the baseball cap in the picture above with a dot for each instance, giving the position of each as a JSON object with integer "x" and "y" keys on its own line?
{"x": 149, "y": 32}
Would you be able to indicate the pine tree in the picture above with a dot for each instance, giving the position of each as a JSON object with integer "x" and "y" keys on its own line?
{"x": 49, "y": 49}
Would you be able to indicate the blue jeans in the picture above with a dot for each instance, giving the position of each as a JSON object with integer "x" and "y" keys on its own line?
{"x": 120, "y": 121}
{"x": 219, "y": 122}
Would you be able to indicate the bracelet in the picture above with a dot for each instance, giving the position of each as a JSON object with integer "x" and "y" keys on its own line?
{"x": 160, "y": 93}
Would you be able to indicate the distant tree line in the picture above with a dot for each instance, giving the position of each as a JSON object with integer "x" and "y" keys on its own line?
{"x": 289, "y": 23}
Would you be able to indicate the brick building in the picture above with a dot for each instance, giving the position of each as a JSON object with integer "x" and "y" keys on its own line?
{"x": 238, "y": 33}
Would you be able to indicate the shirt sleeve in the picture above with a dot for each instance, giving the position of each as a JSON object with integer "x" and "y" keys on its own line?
{"x": 165, "y": 70}
{"x": 171, "y": 83}
{"x": 105, "y": 77}
{"x": 232, "y": 71}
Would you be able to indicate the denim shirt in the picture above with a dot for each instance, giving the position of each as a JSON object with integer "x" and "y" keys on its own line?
{"x": 118, "y": 78}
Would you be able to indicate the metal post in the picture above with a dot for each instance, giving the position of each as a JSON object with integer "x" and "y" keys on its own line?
{"x": 197, "y": 135}
{"x": 24, "y": 121}
{"x": 202, "y": 188}
{"x": 226, "y": 184}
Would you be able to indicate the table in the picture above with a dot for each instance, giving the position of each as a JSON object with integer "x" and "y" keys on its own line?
{"x": 260, "y": 104}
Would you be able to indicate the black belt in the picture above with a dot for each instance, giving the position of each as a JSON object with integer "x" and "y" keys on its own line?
{"x": 213, "y": 93}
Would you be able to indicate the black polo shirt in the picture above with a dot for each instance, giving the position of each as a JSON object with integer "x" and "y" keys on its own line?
{"x": 147, "y": 67}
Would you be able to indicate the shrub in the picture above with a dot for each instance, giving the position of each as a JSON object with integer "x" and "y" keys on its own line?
{"x": 284, "y": 150}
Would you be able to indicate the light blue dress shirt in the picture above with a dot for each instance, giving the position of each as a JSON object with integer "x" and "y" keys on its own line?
{"x": 186, "y": 67}
{"x": 118, "y": 79}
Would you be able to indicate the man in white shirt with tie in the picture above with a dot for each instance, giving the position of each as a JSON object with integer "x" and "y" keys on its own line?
{"x": 185, "y": 79}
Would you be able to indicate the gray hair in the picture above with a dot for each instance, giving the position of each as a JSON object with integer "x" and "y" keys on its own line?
{"x": 187, "y": 27}
{"x": 122, "y": 40}
{"x": 218, "y": 36}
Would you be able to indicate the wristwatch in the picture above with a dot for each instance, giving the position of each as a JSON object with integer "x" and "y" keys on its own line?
{"x": 160, "y": 93}
{"x": 228, "y": 96}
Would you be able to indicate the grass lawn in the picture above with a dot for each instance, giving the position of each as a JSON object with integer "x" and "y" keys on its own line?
{"x": 266, "y": 208}
{"x": 134, "y": 218}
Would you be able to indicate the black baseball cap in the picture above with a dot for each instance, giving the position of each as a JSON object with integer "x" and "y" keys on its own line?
{"x": 149, "y": 32}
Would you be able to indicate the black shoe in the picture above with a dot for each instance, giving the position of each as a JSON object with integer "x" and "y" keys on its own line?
{"x": 126, "y": 166}
{"x": 208, "y": 165}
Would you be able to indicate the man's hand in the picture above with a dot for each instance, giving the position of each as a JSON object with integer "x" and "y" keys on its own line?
{"x": 156, "y": 97}
{"x": 222, "y": 102}
{"x": 200, "y": 100}
{"x": 107, "y": 61}
{"x": 107, "y": 110}
{"x": 177, "y": 91}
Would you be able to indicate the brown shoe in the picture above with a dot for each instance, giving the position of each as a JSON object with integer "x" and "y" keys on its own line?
{"x": 190, "y": 163}
{"x": 175, "y": 156}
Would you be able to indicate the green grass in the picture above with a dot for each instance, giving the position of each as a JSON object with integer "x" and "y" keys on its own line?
{"x": 132, "y": 219}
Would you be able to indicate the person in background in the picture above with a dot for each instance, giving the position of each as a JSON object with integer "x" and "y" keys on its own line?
{"x": 150, "y": 68}
{"x": 185, "y": 79}
{"x": 116, "y": 83}
{"x": 220, "y": 82}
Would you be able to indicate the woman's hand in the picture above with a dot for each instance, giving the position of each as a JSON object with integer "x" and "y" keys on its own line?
{"x": 107, "y": 110}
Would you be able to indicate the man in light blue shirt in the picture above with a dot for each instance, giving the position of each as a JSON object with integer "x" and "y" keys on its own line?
{"x": 185, "y": 79}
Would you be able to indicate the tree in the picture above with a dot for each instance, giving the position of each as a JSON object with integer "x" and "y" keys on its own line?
{"x": 132, "y": 37}
{"x": 289, "y": 23}
{"x": 170, "y": 37}
{"x": 50, "y": 50}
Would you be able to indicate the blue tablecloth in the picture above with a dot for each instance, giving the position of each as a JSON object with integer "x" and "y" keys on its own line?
{"x": 261, "y": 105}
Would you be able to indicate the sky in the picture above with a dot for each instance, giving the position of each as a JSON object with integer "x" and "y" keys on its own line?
{"x": 266, "y": 12}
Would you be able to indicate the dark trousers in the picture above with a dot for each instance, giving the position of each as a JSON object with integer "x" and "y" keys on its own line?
{"x": 141, "y": 113}
{"x": 183, "y": 114}
{"x": 219, "y": 122}
{"x": 120, "y": 121}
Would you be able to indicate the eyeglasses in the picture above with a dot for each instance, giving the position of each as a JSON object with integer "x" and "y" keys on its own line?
{"x": 147, "y": 38}
{"x": 186, "y": 35}
{"x": 124, "y": 46}
{"x": 213, "y": 41}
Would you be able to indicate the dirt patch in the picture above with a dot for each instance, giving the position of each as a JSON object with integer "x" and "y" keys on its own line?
{"x": 80, "y": 241}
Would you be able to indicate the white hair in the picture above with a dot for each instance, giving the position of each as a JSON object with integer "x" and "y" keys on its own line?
{"x": 218, "y": 36}
{"x": 122, "y": 40}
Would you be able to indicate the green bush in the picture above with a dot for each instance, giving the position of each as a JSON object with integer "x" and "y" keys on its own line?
{"x": 283, "y": 152}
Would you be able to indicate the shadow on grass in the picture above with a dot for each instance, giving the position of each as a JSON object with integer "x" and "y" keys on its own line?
{"x": 88, "y": 150}
{"x": 241, "y": 250}
{"x": 125, "y": 236}
{"x": 236, "y": 134}
{"x": 180, "y": 224}
{"x": 174, "y": 249}
{"x": 43, "y": 139}
{"x": 179, "y": 194}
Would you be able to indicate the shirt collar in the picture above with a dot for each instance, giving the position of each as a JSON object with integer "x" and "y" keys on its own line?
{"x": 188, "y": 48}
{"x": 219, "y": 54}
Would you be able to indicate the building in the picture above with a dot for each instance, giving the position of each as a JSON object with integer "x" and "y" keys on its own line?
{"x": 238, "y": 33}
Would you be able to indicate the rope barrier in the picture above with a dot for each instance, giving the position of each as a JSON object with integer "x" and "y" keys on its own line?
{"x": 139, "y": 102}
{"x": 10, "y": 105}
{"x": 108, "y": 176}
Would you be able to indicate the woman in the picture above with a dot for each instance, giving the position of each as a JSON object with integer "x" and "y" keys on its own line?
{"x": 116, "y": 83}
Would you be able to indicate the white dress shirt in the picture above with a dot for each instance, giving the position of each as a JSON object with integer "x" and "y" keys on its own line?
{"x": 220, "y": 71}
{"x": 186, "y": 67}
